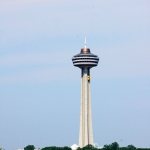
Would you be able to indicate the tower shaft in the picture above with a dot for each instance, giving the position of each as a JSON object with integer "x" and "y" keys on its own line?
{"x": 85, "y": 133}
{"x": 85, "y": 60}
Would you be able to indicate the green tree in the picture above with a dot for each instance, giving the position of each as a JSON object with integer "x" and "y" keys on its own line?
{"x": 79, "y": 148}
{"x": 29, "y": 147}
{"x": 106, "y": 147}
{"x": 56, "y": 148}
{"x": 123, "y": 148}
{"x": 114, "y": 146}
{"x": 50, "y": 148}
{"x": 88, "y": 147}
{"x": 131, "y": 147}
{"x": 66, "y": 148}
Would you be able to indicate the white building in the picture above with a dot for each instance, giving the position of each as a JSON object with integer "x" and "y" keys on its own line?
{"x": 74, "y": 147}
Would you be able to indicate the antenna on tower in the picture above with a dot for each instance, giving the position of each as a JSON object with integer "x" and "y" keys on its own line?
{"x": 85, "y": 42}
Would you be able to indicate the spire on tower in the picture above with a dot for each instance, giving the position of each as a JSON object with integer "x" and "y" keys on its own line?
{"x": 85, "y": 42}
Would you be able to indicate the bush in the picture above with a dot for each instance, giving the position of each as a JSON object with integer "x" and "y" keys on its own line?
{"x": 29, "y": 147}
{"x": 56, "y": 148}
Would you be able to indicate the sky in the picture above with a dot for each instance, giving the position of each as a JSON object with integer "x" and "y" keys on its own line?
{"x": 40, "y": 87}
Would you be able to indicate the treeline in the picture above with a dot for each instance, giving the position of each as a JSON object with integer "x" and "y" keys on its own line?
{"x": 31, "y": 147}
{"x": 56, "y": 148}
{"x": 113, "y": 146}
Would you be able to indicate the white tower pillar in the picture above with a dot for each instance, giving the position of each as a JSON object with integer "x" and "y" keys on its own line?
{"x": 86, "y": 132}
{"x": 85, "y": 60}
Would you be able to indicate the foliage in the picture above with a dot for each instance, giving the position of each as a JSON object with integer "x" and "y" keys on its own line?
{"x": 87, "y": 147}
{"x": 113, "y": 146}
{"x": 129, "y": 147}
{"x": 29, "y": 147}
{"x": 142, "y": 148}
{"x": 56, "y": 148}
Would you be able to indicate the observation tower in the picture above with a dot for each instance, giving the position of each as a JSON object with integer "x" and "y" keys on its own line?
{"x": 85, "y": 60}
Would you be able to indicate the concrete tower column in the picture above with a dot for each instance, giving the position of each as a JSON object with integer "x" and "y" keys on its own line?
{"x": 85, "y": 60}
{"x": 91, "y": 140}
{"x": 86, "y": 133}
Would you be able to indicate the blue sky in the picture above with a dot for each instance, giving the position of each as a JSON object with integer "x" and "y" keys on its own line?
{"x": 40, "y": 88}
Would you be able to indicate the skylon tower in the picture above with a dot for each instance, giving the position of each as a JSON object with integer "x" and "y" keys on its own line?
{"x": 85, "y": 60}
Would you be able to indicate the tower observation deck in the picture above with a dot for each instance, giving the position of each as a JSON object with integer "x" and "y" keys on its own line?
{"x": 85, "y": 60}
